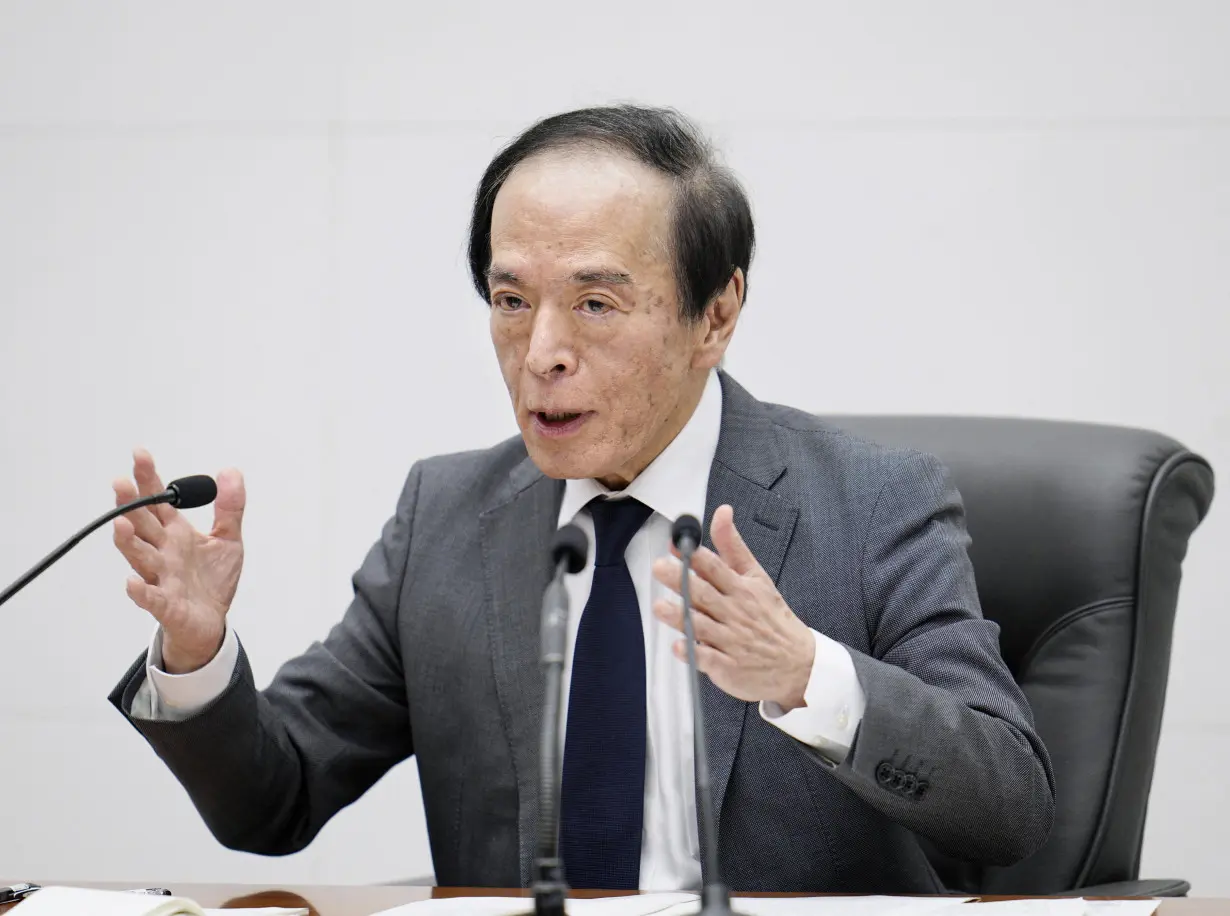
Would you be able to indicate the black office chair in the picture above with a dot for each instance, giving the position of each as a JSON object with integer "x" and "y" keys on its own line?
{"x": 1079, "y": 533}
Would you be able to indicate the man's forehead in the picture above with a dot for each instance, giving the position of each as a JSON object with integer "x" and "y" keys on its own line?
{"x": 576, "y": 193}
{"x": 595, "y": 218}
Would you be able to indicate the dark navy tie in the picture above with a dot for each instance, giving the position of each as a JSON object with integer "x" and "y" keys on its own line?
{"x": 603, "y": 792}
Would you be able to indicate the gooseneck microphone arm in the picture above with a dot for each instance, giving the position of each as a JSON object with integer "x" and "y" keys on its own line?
{"x": 568, "y": 552}
{"x": 715, "y": 896}
{"x": 185, "y": 493}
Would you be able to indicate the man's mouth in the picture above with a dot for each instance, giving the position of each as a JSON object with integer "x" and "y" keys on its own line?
{"x": 558, "y": 422}
{"x": 557, "y": 417}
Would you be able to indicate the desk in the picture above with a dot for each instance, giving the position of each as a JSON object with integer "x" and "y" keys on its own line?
{"x": 325, "y": 900}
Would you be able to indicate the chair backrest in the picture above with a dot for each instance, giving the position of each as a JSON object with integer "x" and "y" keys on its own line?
{"x": 1079, "y": 533}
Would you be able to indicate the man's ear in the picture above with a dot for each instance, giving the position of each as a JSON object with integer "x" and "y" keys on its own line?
{"x": 718, "y": 323}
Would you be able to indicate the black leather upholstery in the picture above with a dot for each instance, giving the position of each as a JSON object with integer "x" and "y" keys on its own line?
{"x": 1079, "y": 533}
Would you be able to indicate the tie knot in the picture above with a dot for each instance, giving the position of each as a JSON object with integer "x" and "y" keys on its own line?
{"x": 616, "y": 521}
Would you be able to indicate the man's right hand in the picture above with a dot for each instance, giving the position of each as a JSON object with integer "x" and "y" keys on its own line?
{"x": 185, "y": 579}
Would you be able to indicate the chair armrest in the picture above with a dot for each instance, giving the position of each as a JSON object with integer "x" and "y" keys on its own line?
{"x": 1157, "y": 887}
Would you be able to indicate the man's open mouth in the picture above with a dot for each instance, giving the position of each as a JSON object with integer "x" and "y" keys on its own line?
{"x": 559, "y": 422}
{"x": 556, "y": 418}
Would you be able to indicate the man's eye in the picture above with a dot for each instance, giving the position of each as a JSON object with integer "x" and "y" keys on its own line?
{"x": 595, "y": 307}
{"x": 509, "y": 303}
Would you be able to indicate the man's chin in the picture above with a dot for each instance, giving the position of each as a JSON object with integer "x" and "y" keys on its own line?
{"x": 565, "y": 463}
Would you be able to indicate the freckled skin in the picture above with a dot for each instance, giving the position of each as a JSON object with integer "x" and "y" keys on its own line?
{"x": 616, "y": 347}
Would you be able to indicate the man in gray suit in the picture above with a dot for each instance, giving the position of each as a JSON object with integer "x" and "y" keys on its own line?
{"x": 859, "y": 711}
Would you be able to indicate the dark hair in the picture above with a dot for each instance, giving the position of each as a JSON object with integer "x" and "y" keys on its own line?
{"x": 712, "y": 232}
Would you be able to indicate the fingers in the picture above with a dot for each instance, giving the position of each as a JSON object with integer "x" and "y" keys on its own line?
{"x": 148, "y": 526}
{"x": 147, "y": 597}
{"x": 704, "y": 628}
{"x": 229, "y": 506}
{"x": 730, "y": 544}
{"x": 125, "y": 490}
{"x": 149, "y": 483}
{"x": 143, "y": 557}
{"x": 708, "y": 659}
{"x": 710, "y": 635}
{"x": 703, "y": 593}
{"x": 714, "y": 570}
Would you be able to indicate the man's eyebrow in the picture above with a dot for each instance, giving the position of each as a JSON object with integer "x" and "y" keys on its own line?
{"x": 608, "y": 277}
{"x": 496, "y": 275}
{"x": 500, "y": 275}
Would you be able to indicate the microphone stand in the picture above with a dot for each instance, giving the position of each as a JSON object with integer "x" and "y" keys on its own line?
{"x": 550, "y": 889}
{"x": 167, "y": 496}
{"x": 715, "y": 896}
{"x": 185, "y": 493}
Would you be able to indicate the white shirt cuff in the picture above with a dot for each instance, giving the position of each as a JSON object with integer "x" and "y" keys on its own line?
{"x": 834, "y": 699}
{"x": 178, "y": 696}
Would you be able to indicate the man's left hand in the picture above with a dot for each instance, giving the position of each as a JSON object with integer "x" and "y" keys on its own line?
{"x": 749, "y": 642}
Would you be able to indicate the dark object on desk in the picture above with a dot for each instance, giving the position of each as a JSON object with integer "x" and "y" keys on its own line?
{"x": 1079, "y": 534}
{"x": 11, "y": 893}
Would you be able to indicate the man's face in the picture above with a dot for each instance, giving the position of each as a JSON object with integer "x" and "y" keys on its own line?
{"x": 601, "y": 367}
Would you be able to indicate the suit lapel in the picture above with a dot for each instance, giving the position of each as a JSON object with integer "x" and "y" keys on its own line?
{"x": 515, "y": 535}
{"x": 746, "y": 466}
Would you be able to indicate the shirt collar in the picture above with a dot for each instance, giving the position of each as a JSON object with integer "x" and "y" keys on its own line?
{"x": 677, "y": 481}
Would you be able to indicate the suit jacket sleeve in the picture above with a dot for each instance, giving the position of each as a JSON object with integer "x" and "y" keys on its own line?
{"x": 267, "y": 769}
{"x": 947, "y": 745}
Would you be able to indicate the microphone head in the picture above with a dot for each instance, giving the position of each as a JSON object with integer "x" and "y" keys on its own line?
{"x": 192, "y": 492}
{"x": 686, "y": 528}
{"x": 570, "y": 546}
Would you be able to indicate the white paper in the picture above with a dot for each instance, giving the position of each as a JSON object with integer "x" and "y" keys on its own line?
{"x": 1044, "y": 906}
{"x": 686, "y": 905}
{"x": 1057, "y": 906}
{"x": 1120, "y": 907}
{"x": 689, "y": 904}
{"x": 844, "y": 906}
{"x": 634, "y": 905}
{"x": 74, "y": 901}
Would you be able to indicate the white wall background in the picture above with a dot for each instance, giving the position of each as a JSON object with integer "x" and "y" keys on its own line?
{"x": 234, "y": 232}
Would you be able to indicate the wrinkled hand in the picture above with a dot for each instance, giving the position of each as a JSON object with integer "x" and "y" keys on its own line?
{"x": 186, "y": 580}
{"x": 749, "y": 642}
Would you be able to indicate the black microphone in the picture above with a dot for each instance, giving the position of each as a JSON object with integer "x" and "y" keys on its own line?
{"x": 185, "y": 493}
{"x": 569, "y": 548}
{"x": 715, "y": 896}
{"x": 189, "y": 492}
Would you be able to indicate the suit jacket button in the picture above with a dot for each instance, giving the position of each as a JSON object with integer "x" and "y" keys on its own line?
{"x": 884, "y": 773}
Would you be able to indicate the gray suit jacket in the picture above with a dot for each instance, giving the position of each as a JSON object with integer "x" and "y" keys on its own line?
{"x": 437, "y": 656}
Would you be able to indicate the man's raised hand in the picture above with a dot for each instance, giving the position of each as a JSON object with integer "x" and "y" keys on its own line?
{"x": 186, "y": 580}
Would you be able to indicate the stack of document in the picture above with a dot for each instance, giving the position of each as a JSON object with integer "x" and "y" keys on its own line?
{"x": 689, "y": 905}
{"x": 76, "y": 901}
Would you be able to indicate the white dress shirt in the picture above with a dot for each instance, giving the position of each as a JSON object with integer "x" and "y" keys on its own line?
{"x": 674, "y": 484}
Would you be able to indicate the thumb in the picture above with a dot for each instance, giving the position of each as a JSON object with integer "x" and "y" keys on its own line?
{"x": 730, "y": 544}
{"x": 229, "y": 506}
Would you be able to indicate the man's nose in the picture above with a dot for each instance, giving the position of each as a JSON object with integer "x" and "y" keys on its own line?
{"x": 552, "y": 351}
